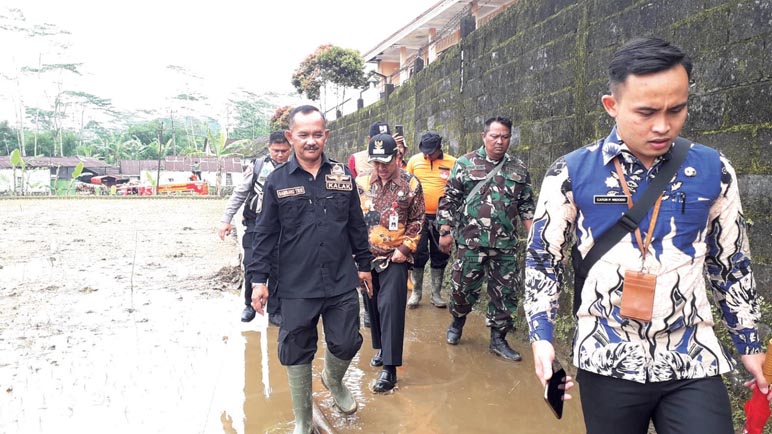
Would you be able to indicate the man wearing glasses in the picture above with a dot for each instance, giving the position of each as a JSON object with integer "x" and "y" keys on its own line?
{"x": 487, "y": 191}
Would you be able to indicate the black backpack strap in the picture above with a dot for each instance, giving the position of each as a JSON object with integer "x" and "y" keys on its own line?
{"x": 629, "y": 220}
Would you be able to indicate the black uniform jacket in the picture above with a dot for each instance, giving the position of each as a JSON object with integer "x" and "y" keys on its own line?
{"x": 318, "y": 224}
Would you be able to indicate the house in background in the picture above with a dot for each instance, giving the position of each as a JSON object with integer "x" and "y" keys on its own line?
{"x": 41, "y": 174}
{"x": 177, "y": 169}
{"x": 32, "y": 180}
{"x": 419, "y": 43}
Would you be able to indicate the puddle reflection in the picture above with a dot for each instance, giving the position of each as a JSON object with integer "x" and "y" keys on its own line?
{"x": 442, "y": 388}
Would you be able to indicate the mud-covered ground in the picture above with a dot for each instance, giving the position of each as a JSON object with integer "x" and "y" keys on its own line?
{"x": 105, "y": 307}
{"x": 121, "y": 315}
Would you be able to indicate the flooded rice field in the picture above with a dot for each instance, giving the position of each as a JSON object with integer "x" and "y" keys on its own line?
{"x": 122, "y": 316}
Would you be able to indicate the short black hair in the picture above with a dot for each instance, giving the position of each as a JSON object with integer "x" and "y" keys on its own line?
{"x": 277, "y": 137}
{"x": 500, "y": 119}
{"x": 645, "y": 56}
{"x": 305, "y": 109}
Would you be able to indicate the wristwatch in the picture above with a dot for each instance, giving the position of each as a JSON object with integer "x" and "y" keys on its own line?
{"x": 444, "y": 232}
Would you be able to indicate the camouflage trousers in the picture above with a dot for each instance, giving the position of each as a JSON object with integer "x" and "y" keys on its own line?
{"x": 468, "y": 270}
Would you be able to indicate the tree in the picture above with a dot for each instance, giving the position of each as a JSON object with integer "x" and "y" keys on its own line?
{"x": 17, "y": 161}
{"x": 44, "y": 41}
{"x": 249, "y": 117}
{"x": 280, "y": 118}
{"x": 220, "y": 148}
{"x": 330, "y": 65}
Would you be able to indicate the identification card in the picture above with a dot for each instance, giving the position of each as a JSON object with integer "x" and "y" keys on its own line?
{"x": 393, "y": 222}
{"x": 638, "y": 295}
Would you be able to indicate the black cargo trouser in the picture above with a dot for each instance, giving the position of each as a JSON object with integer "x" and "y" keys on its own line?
{"x": 428, "y": 247}
{"x": 298, "y": 335}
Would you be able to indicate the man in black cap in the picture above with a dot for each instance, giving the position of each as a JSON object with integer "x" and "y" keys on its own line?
{"x": 358, "y": 161}
{"x": 432, "y": 167}
{"x": 393, "y": 205}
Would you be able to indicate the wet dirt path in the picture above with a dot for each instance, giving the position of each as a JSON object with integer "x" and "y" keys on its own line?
{"x": 122, "y": 316}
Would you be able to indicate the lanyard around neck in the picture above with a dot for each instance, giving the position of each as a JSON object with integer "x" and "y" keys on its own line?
{"x": 623, "y": 182}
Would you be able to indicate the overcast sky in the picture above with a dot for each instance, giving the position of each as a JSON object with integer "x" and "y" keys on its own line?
{"x": 125, "y": 46}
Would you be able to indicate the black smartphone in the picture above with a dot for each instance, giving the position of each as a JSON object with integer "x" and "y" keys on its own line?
{"x": 400, "y": 130}
{"x": 553, "y": 394}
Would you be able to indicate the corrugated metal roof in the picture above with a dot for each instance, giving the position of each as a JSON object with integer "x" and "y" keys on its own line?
{"x": 180, "y": 164}
{"x": 88, "y": 162}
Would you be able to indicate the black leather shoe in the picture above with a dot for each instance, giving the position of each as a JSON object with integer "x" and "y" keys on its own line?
{"x": 455, "y": 330}
{"x": 248, "y": 314}
{"x": 367, "y": 319}
{"x": 377, "y": 359}
{"x": 275, "y": 319}
{"x": 385, "y": 383}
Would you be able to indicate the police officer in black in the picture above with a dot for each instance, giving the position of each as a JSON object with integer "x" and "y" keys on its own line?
{"x": 250, "y": 194}
{"x": 312, "y": 215}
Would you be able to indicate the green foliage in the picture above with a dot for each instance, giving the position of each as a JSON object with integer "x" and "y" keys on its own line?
{"x": 16, "y": 160}
{"x": 249, "y": 120}
{"x": 280, "y": 118}
{"x": 78, "y": 171}
{"x": 340, "y": 67}
{"x": 75, "y": 174}
{"x": 307, "y": 78}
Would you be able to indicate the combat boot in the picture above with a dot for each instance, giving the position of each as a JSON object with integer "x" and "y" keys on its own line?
{"x": 455, "y": 329}
{"x": 418, "y": 286}
{"x": 500, "y": 347}
{"x": 299, "y": 377}
{"x": 332, "y": 379}
{"x": 438, "y": 274}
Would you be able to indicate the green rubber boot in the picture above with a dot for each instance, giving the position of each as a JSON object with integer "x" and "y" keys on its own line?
{"x": 299, "y": 377}
{"x": 438, "y": 274}
{"x": 418, "y": 285}
{"x": 332, "y": 379}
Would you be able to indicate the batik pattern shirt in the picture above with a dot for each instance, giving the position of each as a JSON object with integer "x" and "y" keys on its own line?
{"x": 487, "y": 220}
{"x": 700, "y": 229}
{"x": 401, "y": 197}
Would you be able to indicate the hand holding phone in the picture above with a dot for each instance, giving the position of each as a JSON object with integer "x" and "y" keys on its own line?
{"x": 399, "y": 129}
{"x": 555, "y": 389}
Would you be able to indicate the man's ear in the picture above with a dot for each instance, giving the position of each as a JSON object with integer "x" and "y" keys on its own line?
{"x": 610, "y": 104}
{"x": 288, "y": 135}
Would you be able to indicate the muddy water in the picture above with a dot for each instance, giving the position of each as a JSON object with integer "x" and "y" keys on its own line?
{"x": 116, "y": 316}
{"x": 442, "y": 389}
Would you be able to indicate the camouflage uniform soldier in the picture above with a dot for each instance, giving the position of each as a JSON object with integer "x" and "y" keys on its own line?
{"x": 487, "y": 190}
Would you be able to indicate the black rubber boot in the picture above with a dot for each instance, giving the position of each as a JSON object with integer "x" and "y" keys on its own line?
{"x": 455, "y": 330}
{"x": 500, "y": 347}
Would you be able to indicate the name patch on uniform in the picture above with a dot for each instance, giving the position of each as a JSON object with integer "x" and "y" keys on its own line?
{"x": 342, "y": 183}
{"x": 605, "y": 200}
{"x": 292, "y": 191}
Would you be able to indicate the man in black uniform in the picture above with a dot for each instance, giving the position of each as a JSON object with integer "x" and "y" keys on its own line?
{"x": 250, "y": 194}
{"x": 311, "y": 214}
